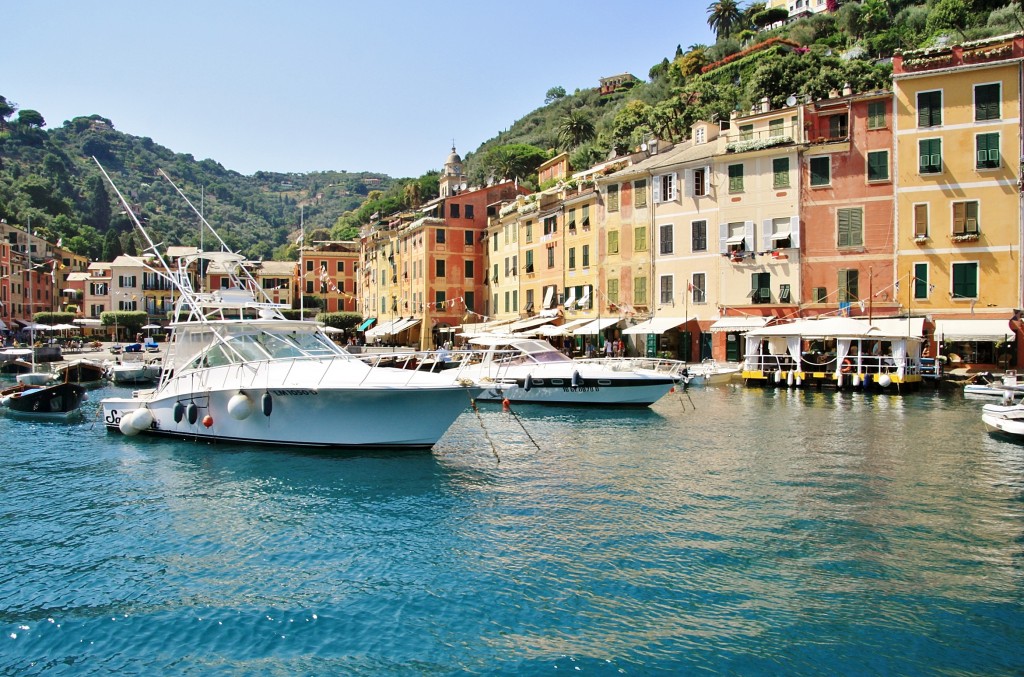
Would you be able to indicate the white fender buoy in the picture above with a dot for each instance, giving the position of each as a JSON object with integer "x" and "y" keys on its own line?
{"x": 856, "y": 380}
{"x": 193, "y": 413}
{"x": 577, "y": 380}
{"x": 240, "y": 406}
{"x": 527, "y": 383}
{"x": 884, "y": 380}
{"x": 778, "y": 377}
{"x": 267, "y": 403}
{"x": 839, "y": 379}
{"x": 142, "y": 419}
{"x": 179, "y": 412}
{"x": 125, "y": 424}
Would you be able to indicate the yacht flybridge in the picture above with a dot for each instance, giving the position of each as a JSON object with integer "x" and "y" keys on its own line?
{"x": 237, "y": 370}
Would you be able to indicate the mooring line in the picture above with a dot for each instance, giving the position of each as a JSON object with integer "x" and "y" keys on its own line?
{"x": 527, "y": 432}
{"x": 487, "y": 435}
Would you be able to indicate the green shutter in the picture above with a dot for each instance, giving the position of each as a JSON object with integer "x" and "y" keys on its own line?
{"x": 929, "y": 109}
{"x": 920, "y": 280}
{"x": 986, "y": 102}
{"x": 987, "y": 150}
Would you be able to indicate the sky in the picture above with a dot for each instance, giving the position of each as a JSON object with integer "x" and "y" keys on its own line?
{"x": 316, "y": 85}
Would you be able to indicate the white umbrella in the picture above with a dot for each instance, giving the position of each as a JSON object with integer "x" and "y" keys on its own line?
{"x": 64, "y": 327}
{"x": 152, "y": 326}
{"x": 39, "y": 327}
{"x": 86, "y": 320}
{"x": 333, "y": 330}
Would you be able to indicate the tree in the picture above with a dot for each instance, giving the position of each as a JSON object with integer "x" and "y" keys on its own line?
{"x": 576, "y": 128}
{"x": 723, "y": 17}
{"x": 98, "y": 203}
{"x": 111, "y": 246}
{"x": 632, "y": 124}
{"x": 6, "y": 110}
{"x": 31, "y": 118}
{"x": 948, "y": 15}
{"x": 554, "y": 94}
{"x": 515, "y": 161}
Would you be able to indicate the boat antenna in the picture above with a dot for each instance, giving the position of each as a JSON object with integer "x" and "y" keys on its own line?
{"x": 302, "y": 279}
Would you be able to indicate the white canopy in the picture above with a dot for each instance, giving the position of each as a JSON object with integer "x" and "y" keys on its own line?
{"x": 527, "y": 323}
{"x": 596, "y": 326}
{"x": 973, "y": 330}
{"x": 745, "y": 323}
{"x": 900, "y": 327}
{"x": 87, "y": 320}
{"x": 655, "y": 325}
{"x": 382, "y": 329}
{"x": 829, "y": 327}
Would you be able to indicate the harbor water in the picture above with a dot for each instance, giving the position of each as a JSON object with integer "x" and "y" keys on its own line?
{"x": 727, "y": 531}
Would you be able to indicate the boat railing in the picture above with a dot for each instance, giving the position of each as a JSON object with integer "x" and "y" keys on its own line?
{"x": 469, "y": 364}
{"x": 662, "y": 365}
{"x": 813, "y": 362}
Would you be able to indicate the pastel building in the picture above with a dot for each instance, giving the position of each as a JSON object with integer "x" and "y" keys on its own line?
{"x": 958, "y": 195}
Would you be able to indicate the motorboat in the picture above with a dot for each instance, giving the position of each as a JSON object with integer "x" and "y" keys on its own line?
{"x": 85, "y": 371}
{"x": 1004, "y": 419}
{"x": 135, "y": 368}
{"x": 531, "y": 370}
{"x": 236, "y": 370}
{"x": 59, "y": 401}
{"x": 989, "y": 385}
{"x": 710, "y": 372}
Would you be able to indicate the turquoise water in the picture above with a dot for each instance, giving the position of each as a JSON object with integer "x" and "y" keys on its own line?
{"x": 737, "y": 531}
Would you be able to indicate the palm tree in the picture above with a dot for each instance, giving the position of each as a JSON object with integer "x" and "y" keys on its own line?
{"x": 723, "y": 17}
{"x": 575, "y": 130}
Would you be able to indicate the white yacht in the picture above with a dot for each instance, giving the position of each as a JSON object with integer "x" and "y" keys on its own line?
{"x": 237, "y": 370}
{"x": 530, "y": 370}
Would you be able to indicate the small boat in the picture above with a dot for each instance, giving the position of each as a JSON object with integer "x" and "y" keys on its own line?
{"x": 1004, "y": 419}
{"x": 532, "y": 371}
{"x": 82, "y": 371}
{"x": 58, "y": 401}
{"x": 710, "y": 372}
{"x": 236, "y": 370}
{"x": 15, "y": 366}
{"x": 1005, "y": 386}
{"x": 134, "y": 369}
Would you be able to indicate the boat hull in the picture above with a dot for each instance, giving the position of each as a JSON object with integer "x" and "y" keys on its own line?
{"x": 58, "y": 401}
{"x": 302, "y": 417}
{"x": 628, "y": 391}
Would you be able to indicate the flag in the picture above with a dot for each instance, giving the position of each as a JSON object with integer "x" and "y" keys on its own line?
{"x": 689, "y": 286}
{"x": 60, "y": 241}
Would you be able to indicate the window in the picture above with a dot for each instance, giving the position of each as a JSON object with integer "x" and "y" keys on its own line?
{"x": 987, "y": 150}
{"x": 309, "y": 264}
{"x": 469, "y": 269}
{"x": 784, "y": 294}
{"x": 821, "y": 170}
{"x": 878, "y": 165}
{"x": 735, "y": 178}
{"x": 700, "y": 182}
{"x": 929, "y": 109}
{"x": 876, "y": 115}
{"x": 986, "y": 102}
{"x": 746, "y": 132}
{"x": 613, "y": 291}
{"x": 453, "y": 210}
{"x": 965, "y": 280}
{"x": 550, "y": 225}
{"x": 698, "y": 289}
{"x": 665, "y": 188}
{"x": 640, "y": 239}
{"x": 529, "y": 231}
{"x": 494, "y": 240}
{"x": 666, "y": 289}
{"x": 613, "y": 198}
{"x": 468, "y": 238}
{"x": 921, "y": 220}
{"x": 640, "y": 291}
{"x": 438, "y": 299}
{"x": 781, "y": 233}
{"x": 551, "y": 257}
{"x": 439, "y": 268}
{"x": 469, "y": 211}
{"x": 820, "y": 295}
{"x": 851, "y": 227}
{"x": 613, "y": 242}
{"x": 780, "y": 172}
{"x": 469, "y": 298}
{"x": 920, "y": 280}
{"x": 699, "y": 236}
{"x": 529, "y": 301}
{"x": 838, "y": 126}
{"x": 929, "y": 156}
{"x": 508, "y": 302}
{"x": 586, "y": 256}
{"x": 665, "y": 238}
{"x": 439, "y": 236}
{"x": 640, "y": 193}
{"x": 760, "y": 288}
{"x": 965, "y": 218}
{"x": 585, "y": 221}
{"x": 339, "y": 266}
{"x": 777, "y": 127}
{"x": 529, "y": 260}
{"x": 848, "y": 280}
{"x": 571, "y": 224}
{"x": 572, "y": 258}
{"x": 700, "y": 135}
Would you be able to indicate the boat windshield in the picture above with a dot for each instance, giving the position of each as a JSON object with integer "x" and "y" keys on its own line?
{"x": 264, "y": 345}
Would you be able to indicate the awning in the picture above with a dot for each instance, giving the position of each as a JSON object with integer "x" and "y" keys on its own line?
{"x": 571, "y": 301}
{"x": 399, "y": 327}
{"x": 596, "y": 326}
{"x": 366, "y": 323}
{"x": 973, "y": 330}
{"x": 527, "y": 323}
{"x": 549, "y": 296}
{"x": 655, "y": 325}
{"x": 735, "y": 239}
{"x": 585, "y": 299}
{"x": 899, "y": 327}
{"x": 781, "y": 235}
{"x": 739, "y": 323}
{"x": 382, "y": 329}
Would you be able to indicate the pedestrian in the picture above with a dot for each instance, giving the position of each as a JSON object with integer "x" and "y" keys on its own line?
{"x": 609, "y": 348}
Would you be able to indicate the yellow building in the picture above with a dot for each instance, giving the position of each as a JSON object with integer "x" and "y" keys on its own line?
{"x": 958, "y": 195}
